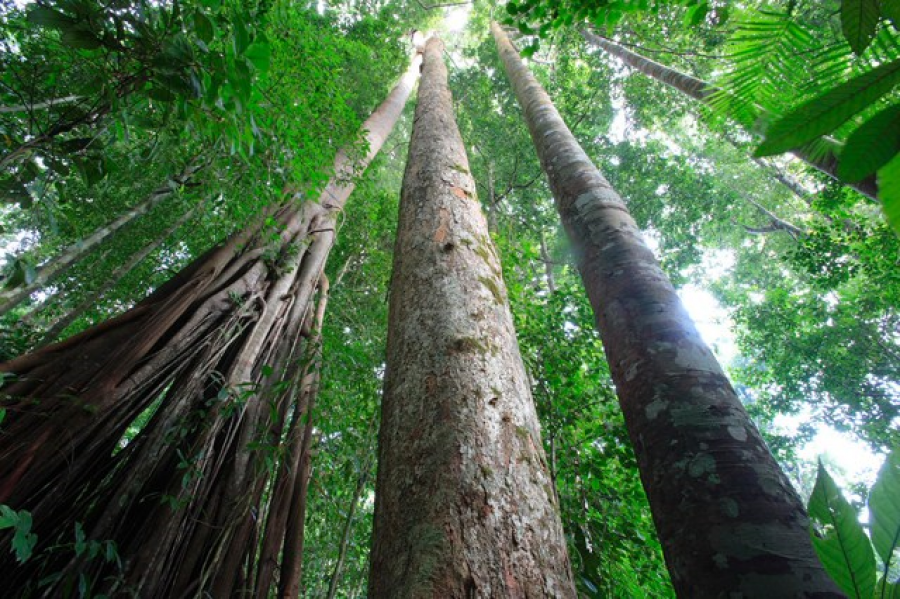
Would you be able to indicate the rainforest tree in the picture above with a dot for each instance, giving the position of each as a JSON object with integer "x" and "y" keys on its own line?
{"x": 135, "y": 137}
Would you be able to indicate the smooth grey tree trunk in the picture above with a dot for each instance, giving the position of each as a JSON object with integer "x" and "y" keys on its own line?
{"x": 729, "y": 521}
{"x": 464, "y": 503}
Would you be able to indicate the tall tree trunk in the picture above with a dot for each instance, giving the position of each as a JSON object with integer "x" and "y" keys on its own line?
{"x": 58, "y": 326}
{"x": 729, "y": 522}
{"x": 464, "y": 505}
{"x": 9, "y": 299}
{"x": 215, "y": 350}
{"x": 826, "y": 162}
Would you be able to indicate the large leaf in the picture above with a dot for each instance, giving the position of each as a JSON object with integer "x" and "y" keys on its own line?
{"x": 260, "y": 55}
{"x": 839, "y": 540}
{"x": 828, "y": 111}
{"x": 47, "y": 17}
{"x": 889, "y": 192}
{"x": 80, "y": 38}
{"x": 890, "y": 9}
{"x": 859, "y": 18}
{"x": 203, "y": 27}
{"x": 871, "y": 146}
{"x": 884, "y": 509}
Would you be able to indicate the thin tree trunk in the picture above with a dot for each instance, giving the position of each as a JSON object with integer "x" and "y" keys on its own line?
{"x": 41, "y": 105}
{"x": 548, "y": 265}
{"x": 826, "y": 162}
{"x": 294, "y": 534}
{"x": 214, "y": 347}
{"x": 100, "y": 109}
{"x": 729, "y": 522}
{"x": 775, "y": 223}
{"x": 345, "y": 534}
{"x": 60, "y": 325}
{"x": 464, "y": 506}
{"x": 9, "y": 299}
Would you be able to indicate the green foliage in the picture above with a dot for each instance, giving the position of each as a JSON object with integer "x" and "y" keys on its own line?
{"x": 839, "y": 539}
{"x": 23, "y": 540}
{"x": 841, "y": 542}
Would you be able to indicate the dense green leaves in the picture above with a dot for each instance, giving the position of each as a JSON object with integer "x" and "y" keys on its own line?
{"x": 839, "y": 539}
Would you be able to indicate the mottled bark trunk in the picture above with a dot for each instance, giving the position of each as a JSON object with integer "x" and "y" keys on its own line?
{"x": 729, "y": 522}
{"x": 10, "y": 298}
{"x": 464, "y": 505}
{"x": 215, "y": 347}
{"x": 824, "y": 161}
{"x": 58, "y": 326}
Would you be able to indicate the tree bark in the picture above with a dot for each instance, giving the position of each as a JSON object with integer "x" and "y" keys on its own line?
{"x": 464, "y": 505}
{"x": 215, "y": 349}
{"x": 729, "y": 522}
{"x": 826, "y": 162}
{"x": 9, "y": 299}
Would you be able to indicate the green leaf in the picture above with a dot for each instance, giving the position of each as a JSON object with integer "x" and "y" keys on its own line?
{"x": 112, "y": 552}
{"x": 871, "y": 146}
{"x": 241, "y": 37}
{"x": 81, "y": 39}
{"x": 696, "y": 14}
{"x": 2, "y": 414}
{"x": 828, "y": 111}
{"x": 890, "y": 9}
{"x": 529, "y": 50}
{"x": 859, "y": 18}
{"x": 8, "y": 517}
{"x": 260, "y": 55}
{"x": 47, "y": 17}
{"x": 884, "y": 509}
{"x": 203, "y": 27}
{"x": 889, "y": 192}
{"x": 79, "y": 539}
{"x": 839, "y": 540}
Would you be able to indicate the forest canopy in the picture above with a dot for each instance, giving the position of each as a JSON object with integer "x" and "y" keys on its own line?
{"x": 199, "y": 224}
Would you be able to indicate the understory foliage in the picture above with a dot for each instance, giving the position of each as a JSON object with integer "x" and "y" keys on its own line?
{"x": 102, "y": 106}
